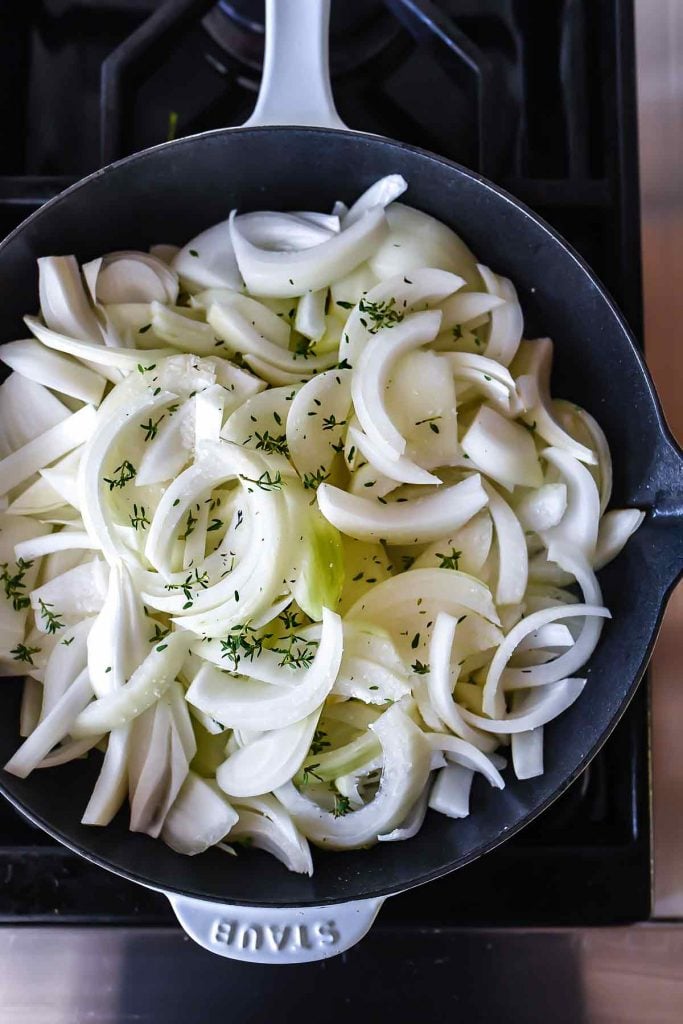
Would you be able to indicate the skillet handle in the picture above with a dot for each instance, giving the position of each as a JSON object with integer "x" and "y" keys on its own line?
{"x": 295, "y": 87}
{"x": 275, "y": 935}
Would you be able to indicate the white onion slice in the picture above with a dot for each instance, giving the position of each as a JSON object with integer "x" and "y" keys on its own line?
{"x": 406, "y": 767}
{"x": 63, "y": 301}
{"x": 67, "y": 540}
{"x": 411, "y": 824}
{"x": 131, "y": 276}
{"x": 89, "y": 352}
{"x": 208, "y": 260}
{"x": 269, "y": 761}
{"x": 507, "y": 322}
{"x": 425, "y": 287}
{"x": 53, "y": 728}
{"x": 502, "y": 449}
{"x": 461, "y": 309}
{"x": 78, "y": 592}
{"x": 199, "y": 817}
{"x": 293, "y": 273}
{"x": 536, "y": 708}
{"x": 317, "y": 418}
{"x": 371, "y": 374}
{"x": 415, "y": 522}
{"x": 466, "y": 549}
{"x": 381, "y": 193}
{"x": 274, "y": 832}
{"x": 260, "y": 706}
{"x": 450, "y": 793}
{"x": 615, "y": 529}
{"x": 467, "y": 755}
{"x": 550, "y": 671}
{"x": 513, "y": 562}
{"x": 142, "y": 690}
{"x": 440, "y": 686}
{"x": 310, "y": 314}
{"x": 241, "y": 335}
{"x": 579, "y": 524}
{"x": 402, "y": 470}
{"x": 527, "y": 752}
{"x": 53, "y": 370}
{"x": 543, "y": 508}
{"x": 46, "y": 448}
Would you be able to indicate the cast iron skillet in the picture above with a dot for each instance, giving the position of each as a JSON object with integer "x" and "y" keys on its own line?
{"x": 169, "y": 194}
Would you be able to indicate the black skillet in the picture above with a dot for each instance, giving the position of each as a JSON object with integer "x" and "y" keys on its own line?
{"x": 251, "y": 907}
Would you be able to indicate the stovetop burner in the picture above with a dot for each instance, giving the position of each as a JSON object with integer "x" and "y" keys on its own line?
{"x": 539, "y": 97}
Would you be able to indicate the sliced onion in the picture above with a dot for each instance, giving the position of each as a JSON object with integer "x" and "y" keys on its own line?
{"x": 467, "y": 755}
{"x": 26, "y": 411}
{"x": 46, "y": 448}
{"x": 110, "y": 662}
{"x": 208, "y": 260}
{"x": 269, "y": 761}
{"x": 527, "y": 752}
{"x": 467, "y": 547}
{"x": 536, "y": 708}
{"x": 67, "y": 540}
{"x": 507, "y": 321}
{"x": 465, "y": 307}
{"x": 199, "y": 817}
{"x": 240, "y": 335}
{"x": 402, "y": 470}
{"x": 579, "y": 524}
{"x": 615, "y": 529}
{"x": 502, "y": 449}
{"x": 260, "y": 706}
{"x": 89, "y": 352}
{"x": 143, "y": 689}
{"x": 267, "y": 831}
{"x": 372, "y": 372}
{"x": 412, "y": 823}
{"x": 131, "y": 276}
{"x": 381, "y": 193}
{"x": 310, "y": 314}
{"x": 532, "y": 369}
{"x": 111, "y": 787}
{"x": 416, "y": 240}
{"x": 318, "y": 414}
{"x": 46, "y": 367}
{"x": 450, "y": 793}
{"x": 542, "y": 674}
{"x": 440, "y": 685}
{"x": 543, "y": 508}
{"x": 78, "y": 592}
{"x": 53, "y": 728}
{"x": 406, "y": 766}
{"x": 63, "y": 301}
{"x": 288, "y": 273}
{"x": 415, "y": 522}
{"x": 513, "y": 563}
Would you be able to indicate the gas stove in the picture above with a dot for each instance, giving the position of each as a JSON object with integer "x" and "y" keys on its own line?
{"x": 538, "y": 97}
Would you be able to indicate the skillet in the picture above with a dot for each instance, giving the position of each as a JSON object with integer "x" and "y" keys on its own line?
{"x": 296, "y": 153}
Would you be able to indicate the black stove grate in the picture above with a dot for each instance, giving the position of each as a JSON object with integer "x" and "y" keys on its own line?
{"x": 538, "y": 96}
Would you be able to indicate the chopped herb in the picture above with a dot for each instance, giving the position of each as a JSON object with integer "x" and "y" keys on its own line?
{"x": 139, "y": 518}
{"x": 486, "y": 377}
{"x": 309, "y": 770}
{"x": 176, "y": 503}
{"x": 303, "y": 347}
{"x": 449, "y": 561}
{"x": 344, "y": 305}
{"x": 267, "y": 442}
{"x": 415, "y": 642}
{"x": 161, "y": 647}
{"x": 143, "y": 330}
{"x": 289, "y": 619}
{"x": 151, "y": 428}
{"x": 457, "y": 331}
{"x": 342, "y": 805}
{"x": 126, "y": 472}
{"x": 407, "y": 560}
{"x": 319, "y": 742}
{"x": 266, "y": 482}
{"x": 14, "y": 583}
{"x": 214, "y": 525}
{"x": 370, "y": 483}
{"x": 52, "y": 623}
{"x": 382, "y": 314}
{"x": 419, "y": 668}
{"x": 358, "y": 576}
{"x": 159, "y": 634}
{"x": 190, "y": 524}
{"x": 193, "y": 252}
{"x": 296, "y": 651}
{"x": 344, "y": 365}
{"x": 430, "y": 419}
{"x": 330, "y": 422}
{"x": 23, "y": 653}
{"x": 192, "y": 582}
{"x": 531, "y": 427}
{"x": 67, "y": 641}
{"x": 312, "y": 481}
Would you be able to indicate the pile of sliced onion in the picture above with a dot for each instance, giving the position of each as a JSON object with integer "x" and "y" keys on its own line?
{"x": 291, "y": 529}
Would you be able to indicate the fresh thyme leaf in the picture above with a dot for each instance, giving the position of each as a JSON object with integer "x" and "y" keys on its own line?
{"x": 330, "y": 422}
{"x": 52, "y": 623}
{"x": 151, "y": 428}
{"x": 449, "y": 561}
{"x": 23, "y": 653}
{"x": 319, "y": 742}
{"x": 266, "y": 482}
{"x": 419, "y": 668}
{"x": 159, "y": 634}
{"x": 342, "y": 805}
{"x": 139, "y": 518}
{"x": 214, "y": 525}
{"x": 13, "y": 583}
{"x": 312, "y": 481}
{"x": 382, "y": 314}
{"x": 290, "y": 620}
{"x": 309, "y": 770}
{"x": 126, "y": 472}
{"x": 271, "y": 443}
{"x": 344, "y": 305}
{"x": 190, "y": 524}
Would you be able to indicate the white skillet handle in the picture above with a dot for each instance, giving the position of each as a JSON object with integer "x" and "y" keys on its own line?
{"x": 295, "y": 87}
{"x": 275, "y": 935}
